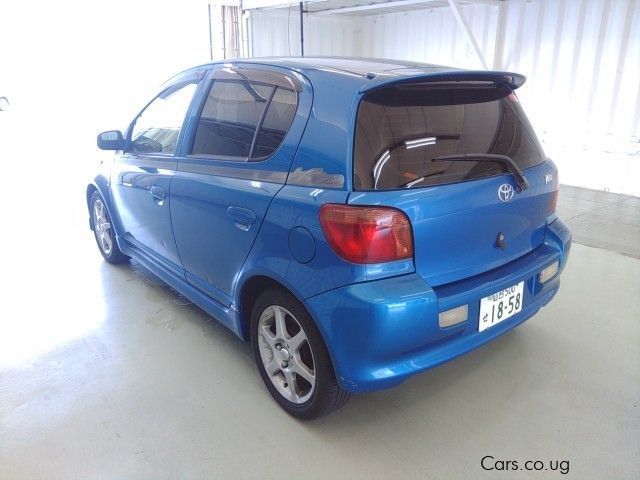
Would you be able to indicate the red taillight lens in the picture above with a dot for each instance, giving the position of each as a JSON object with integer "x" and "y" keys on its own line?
{"x": 367, "y": 234}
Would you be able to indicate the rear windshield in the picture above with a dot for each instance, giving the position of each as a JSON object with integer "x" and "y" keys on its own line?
{"x": 401, "y": 129}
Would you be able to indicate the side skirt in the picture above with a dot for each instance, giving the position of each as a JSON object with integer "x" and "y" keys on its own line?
{"x": 226, "y": 316}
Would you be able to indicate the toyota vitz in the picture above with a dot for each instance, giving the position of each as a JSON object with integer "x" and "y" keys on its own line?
{"x": 358, "y": 221}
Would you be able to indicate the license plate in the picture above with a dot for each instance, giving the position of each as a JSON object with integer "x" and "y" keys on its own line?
{"x": 499, "y": 306}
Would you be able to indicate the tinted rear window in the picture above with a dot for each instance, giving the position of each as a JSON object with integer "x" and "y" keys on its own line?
{"x": 401, "y": 129}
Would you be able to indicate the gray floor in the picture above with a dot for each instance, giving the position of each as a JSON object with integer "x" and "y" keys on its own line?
{"x": 106, "y": 373}
{"x": 601, "y": 219}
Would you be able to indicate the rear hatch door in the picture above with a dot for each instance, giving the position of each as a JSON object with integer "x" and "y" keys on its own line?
{"x": 468, "y": 216}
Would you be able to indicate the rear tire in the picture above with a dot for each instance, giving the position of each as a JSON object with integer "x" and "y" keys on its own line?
{"x": 292, "y": 357}
{"x": 104, "y": 232}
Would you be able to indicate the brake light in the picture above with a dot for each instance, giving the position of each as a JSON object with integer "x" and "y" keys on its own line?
{"x": 367, "y": 234}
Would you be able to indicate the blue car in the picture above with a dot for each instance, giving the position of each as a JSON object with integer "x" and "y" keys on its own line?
{"x": 358, "y": 221}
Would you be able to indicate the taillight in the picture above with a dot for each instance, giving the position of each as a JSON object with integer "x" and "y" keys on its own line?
{"x": 367, "y": 234}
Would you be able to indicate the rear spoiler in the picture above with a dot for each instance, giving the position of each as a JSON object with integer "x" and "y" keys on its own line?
{"x": 398, "y": 77}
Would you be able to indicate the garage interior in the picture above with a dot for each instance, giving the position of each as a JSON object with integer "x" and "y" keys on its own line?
{"x": 106, "y": 372}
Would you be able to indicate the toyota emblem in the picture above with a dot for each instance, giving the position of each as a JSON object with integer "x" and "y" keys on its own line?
{"x": 505, "y": 192}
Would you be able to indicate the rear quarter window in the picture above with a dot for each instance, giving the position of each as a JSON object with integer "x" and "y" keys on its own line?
{"x": 401, "y": 129}
{"x": 276, "y": 123}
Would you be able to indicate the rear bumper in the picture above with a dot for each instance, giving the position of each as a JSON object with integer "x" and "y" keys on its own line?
{"x": 380, "y": 333}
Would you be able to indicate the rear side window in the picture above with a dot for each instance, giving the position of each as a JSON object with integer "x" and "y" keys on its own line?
{"x": 401, "y": 129}
{"x": 243, "y": 119}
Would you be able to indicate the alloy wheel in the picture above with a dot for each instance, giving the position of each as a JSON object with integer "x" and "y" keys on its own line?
{"x": 102, "y": 227}
{"x": 286, "y": 354}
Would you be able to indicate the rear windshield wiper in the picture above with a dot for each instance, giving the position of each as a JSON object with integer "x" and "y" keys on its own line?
{"x": 508, "y": 162}
{"x": 424, "y": 140}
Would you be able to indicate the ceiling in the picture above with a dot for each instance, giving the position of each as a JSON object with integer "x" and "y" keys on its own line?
{"x": 357, "y": 7}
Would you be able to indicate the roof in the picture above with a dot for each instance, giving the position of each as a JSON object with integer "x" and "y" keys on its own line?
{"x": 354, "y": 65}
{"x": 375, "y": 72}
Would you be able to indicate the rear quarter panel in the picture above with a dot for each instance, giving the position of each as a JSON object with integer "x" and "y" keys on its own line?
{"x": 320, "y": 173}
{"x": 323, "y": 159}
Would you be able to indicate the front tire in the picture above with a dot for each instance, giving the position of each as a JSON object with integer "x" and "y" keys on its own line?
{"x": 104, "y": 232}
{"x": 292, "y": 357}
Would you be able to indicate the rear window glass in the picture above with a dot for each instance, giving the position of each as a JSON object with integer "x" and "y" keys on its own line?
{"x": 401, "y": 129}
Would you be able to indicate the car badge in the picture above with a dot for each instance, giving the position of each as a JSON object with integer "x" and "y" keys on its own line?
{"x": 505, "y": 192}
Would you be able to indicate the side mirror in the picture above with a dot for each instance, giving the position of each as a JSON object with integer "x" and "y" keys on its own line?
{"x": 111, "y": 140}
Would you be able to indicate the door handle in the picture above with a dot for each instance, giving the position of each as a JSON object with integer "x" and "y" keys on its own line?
{"x": 158, "y": 194}
{"x": 243, "y": 217}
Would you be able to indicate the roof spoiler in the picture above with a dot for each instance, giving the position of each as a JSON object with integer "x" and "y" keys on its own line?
{"x": 397, "y": 77}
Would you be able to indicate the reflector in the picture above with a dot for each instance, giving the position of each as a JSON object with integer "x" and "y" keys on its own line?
{"x": 549, "y": 272}
{"x": 453, "y": 316}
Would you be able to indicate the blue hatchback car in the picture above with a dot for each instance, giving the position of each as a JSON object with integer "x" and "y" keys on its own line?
{"x": 359, "y": 221}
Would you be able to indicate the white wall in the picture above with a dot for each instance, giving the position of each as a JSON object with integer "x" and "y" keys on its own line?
{"x": 581, "y": 57}
{"x": 278, "y": 33}
{"x": 431, "y": 35}
{"x": 70, "y": 70}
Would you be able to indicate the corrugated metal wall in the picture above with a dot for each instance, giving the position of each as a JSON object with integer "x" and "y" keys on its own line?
{"x": 582, "y": 58}
{"x": 278, "y": 33}
{"x": 431, "y": 35}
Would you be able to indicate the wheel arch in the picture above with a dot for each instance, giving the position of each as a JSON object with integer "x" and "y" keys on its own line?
{"x": 91, "y": 188}
{"x": 251, "y": 287}
{"x": 248, "y": 291}
{"x": 101, "y": 185}
{"x": 98, "y": 184}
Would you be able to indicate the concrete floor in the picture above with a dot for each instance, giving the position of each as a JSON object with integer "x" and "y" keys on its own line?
{"x": 107, "y": 373}
{"x": 602, "y": 219}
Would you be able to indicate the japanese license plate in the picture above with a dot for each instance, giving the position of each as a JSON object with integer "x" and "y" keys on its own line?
{"x": 499, "y": 306}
